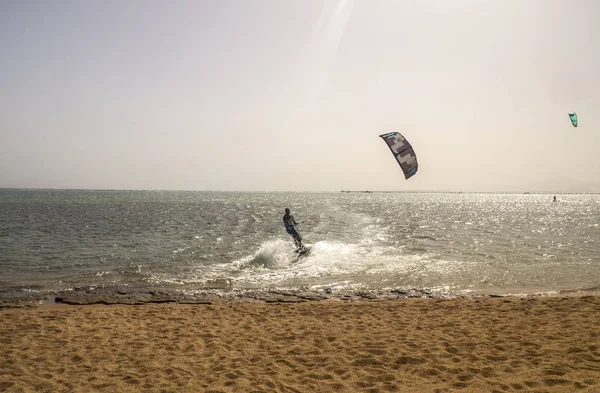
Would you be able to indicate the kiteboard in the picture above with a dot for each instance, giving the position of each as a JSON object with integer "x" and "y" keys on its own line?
{"x": 303, "y": 251}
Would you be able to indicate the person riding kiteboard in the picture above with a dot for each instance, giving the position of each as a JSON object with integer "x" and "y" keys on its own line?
{"x": 290, "y": 227}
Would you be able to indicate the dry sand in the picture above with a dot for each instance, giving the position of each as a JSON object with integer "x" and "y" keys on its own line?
{"x": 549, "y": 344}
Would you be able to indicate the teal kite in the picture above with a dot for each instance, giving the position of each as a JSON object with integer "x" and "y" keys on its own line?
{"x": 573, "y": 117}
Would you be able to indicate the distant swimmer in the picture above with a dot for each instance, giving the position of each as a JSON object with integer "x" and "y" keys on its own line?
{"x": 290, "y": 227}
{"x": 554, "y": 198}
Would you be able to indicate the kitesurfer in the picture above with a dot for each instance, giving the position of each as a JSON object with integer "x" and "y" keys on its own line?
{"x": 290, "y": 227}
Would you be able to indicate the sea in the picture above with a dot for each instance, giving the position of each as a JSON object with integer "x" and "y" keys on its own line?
{"x": 451, "y": 244}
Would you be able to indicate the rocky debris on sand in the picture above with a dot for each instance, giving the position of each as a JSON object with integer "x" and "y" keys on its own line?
{"x": 136, "y": 296}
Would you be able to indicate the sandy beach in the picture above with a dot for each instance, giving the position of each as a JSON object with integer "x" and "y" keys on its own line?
{"x": 543, "y": 344}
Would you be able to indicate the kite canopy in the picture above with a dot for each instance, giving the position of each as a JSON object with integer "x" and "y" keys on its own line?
{"x": 573, "y": 117}
{"x": 403, "y": 152}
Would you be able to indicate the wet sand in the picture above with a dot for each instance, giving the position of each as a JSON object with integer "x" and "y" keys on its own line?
{"x": 492, "y": 345}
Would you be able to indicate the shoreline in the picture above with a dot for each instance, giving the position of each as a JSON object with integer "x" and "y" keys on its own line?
{"x": 487, "y": 344}
{"x": 128, "y": 295}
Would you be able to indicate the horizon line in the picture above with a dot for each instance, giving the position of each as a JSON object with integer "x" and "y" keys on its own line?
{"x": 306, "y": 191}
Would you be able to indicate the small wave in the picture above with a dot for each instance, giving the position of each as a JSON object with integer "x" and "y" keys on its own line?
{"x": 274, "y": 254}
{"x": 424, "y": 237}
{"x": 587, "y": 289}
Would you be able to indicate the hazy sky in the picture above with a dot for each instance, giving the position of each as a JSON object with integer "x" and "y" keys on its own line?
{"x": 292, "y": 94}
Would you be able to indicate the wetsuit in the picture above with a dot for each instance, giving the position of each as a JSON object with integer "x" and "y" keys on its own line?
{"x": 290, "y": 227}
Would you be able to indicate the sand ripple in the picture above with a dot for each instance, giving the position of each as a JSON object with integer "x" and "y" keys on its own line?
{"x": 410, "y": 345}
